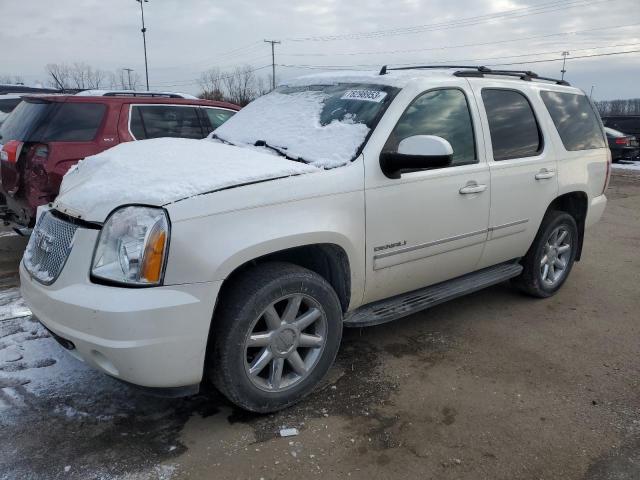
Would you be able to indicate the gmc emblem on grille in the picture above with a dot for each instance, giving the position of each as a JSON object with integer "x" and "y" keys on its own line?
{"x": 44, "y": 241}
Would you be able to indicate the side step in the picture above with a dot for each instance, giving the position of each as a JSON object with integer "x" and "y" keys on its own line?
{"x": 400, "y": 306}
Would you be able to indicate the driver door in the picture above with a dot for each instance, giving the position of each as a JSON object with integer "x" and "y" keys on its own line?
{"x": 431, "y": 225}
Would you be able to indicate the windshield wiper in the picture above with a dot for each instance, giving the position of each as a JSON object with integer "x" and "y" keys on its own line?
{"x": 279, "y": 150}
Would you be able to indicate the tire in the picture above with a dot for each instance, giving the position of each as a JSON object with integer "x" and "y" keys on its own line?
{"x": 533, "y": 280}
{"x": 257, "y": 320}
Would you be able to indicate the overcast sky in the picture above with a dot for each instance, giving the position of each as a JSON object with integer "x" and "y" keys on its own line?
{"x": 186, "y": 37}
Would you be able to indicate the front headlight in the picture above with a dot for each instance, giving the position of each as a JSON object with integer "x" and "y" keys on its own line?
{"x": 132, "y": 247}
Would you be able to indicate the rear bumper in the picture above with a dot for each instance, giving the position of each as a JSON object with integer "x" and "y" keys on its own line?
{"x": 596, "y": 209}
{"x": 625, "y": 153}
{"x": 149, "y": 337}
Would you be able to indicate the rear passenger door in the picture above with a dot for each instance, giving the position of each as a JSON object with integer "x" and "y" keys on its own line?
{"x": 522, "y": 165}
{"x": 156, "y": 121}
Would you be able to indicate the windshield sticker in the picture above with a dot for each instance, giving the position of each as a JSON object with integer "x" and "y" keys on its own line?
{"x": 365, "y": 95}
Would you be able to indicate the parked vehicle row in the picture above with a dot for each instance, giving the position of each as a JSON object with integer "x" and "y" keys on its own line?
{"x": 46, "y": 135}
{"x": 347, "y": 199}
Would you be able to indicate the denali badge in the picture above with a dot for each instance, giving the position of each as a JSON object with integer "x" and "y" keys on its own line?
{"x": 401, "y": 243}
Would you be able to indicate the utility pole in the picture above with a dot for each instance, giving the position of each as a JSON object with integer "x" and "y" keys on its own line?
{"x": 144, "y": 40}
{"x": 591, "y": 94}
{"x": 273, "y": 61}
{"x": 564, "y": 61}
{"x": 129, "y": 70}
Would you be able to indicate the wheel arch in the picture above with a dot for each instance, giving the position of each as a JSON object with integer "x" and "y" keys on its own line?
{"x": 329, "y": 260}
{"x": 576, "y": 204}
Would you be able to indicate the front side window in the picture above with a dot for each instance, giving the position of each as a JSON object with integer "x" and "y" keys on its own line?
{"x": 217, "y": 116}
{"x": 512, "y": 124}
{"x": 156, "y": 121}
{"x": 441, "y": 113}
{"x": 575, "y": 120}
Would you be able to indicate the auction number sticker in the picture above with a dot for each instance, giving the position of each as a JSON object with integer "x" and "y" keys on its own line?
{"x": 366, "y": 95}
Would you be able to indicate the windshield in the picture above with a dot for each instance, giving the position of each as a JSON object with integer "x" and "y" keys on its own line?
{"x": 323, "y": 125}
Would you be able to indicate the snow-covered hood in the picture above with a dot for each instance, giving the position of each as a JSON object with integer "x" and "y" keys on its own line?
{"x": 162, "y": 171}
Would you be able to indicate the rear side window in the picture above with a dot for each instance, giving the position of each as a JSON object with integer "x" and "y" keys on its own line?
{"x": 512, "y": 124}
{"x": 156, "y": 121}
{"x": 217, "y": 116}
{"x": 24, "y": 119}
{"x": 575, "y": 120}
{"x": 73, "y": 122}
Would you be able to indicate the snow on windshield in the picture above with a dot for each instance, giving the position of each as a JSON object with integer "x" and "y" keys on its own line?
{"x": 321, "y": 125}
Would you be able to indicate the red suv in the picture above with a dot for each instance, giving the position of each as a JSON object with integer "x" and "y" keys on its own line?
{"x": 46, "y": 135}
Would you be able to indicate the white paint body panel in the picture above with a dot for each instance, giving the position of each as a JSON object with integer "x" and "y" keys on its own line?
{"x": 399, "y": 235}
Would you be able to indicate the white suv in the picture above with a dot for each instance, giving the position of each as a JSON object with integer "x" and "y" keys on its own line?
{"x": 348, "y": 199}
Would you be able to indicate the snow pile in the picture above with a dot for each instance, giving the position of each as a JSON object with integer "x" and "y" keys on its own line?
{"x": 627, "y": 165}
{"x": 164, "y": 170}
{"x": 292, "y": 122}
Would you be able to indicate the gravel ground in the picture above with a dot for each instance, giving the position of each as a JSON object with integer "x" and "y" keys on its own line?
{"x": 491, "y": 386}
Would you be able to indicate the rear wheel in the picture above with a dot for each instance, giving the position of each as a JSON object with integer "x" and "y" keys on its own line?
{"x": 277, "y": 331}
{"x": 549, "y": 260}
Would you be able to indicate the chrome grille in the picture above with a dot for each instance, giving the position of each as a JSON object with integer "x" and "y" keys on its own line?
{"x": 49, "y": 247}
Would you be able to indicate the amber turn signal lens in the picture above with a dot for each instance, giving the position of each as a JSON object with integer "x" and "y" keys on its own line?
{"x": 153, "y": 257}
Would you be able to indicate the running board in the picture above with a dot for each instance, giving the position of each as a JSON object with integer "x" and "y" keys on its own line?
{"x": 400, "y": 306}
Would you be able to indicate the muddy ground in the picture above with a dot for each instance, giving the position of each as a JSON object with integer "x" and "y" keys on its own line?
{"x": 492, "y": 386}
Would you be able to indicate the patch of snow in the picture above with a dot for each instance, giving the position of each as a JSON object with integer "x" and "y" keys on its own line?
{"x": 291, "y": 122}
{"x": 393, "y": 78}
{"x": 164, "y": 170}
{"x": 12, "y": 305}
{"x": 627, "y": 165}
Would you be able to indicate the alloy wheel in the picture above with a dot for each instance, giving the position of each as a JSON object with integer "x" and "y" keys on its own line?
{"x": 556, "y": 256}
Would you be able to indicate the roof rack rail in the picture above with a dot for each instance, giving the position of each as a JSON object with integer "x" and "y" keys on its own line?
{"x": 480, "y": 71}
{"x": 142, "y": 94}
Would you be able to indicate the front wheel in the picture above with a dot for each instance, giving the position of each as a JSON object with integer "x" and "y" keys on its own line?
{"x": 549, "y": 260}
{"x": 276, "y": 334}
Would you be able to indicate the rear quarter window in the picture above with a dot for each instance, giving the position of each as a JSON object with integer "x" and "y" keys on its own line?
{"x": 73, "y": 122}
{"x": 575, "y": 120}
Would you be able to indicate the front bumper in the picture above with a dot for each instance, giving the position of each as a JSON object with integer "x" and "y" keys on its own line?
{"x": 151, "y": 337}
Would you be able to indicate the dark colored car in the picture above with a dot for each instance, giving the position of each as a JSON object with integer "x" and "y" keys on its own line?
{"x": 47, "y": 135}
{"x": 622, "y": 146}
{"x": 629, "y": 124}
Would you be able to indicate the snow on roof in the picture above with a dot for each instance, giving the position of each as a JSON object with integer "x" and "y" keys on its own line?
{"x": 164, "y": 170}
{"x": 394, "y": 78}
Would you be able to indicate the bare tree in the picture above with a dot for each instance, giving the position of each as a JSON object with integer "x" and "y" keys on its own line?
{"x": 619, "y": 107}
{"x": 11, "y": 80}
{"x": 121, "y": 80}
{"x": 212, "y": 84}
{"x": 60, "y": 75}
{"x": 241, "y": 85}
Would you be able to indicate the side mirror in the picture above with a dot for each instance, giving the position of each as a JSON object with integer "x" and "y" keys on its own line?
{"x": 420, "y": 152}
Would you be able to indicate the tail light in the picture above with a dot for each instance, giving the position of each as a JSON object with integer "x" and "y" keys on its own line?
{"x": 11, "y": 151}
{"x": 626, "y": 141}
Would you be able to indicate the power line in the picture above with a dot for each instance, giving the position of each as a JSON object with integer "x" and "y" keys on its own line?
{"x": 464, "y": 45}
{"x": 468, "y": 21}
{"x": 460, "y": 60}
{"x": 195, "y": 81}
{"x": 444, "y": 62}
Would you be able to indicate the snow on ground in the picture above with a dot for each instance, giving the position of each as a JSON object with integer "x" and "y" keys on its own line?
{"x": 627, "y": 165}
{"x": 292, "y": 122}
{"x": 164, "y": 170}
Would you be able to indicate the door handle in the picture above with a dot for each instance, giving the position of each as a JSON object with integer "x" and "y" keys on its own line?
{"x": 544, "y": 174}
{"x": 472, "y": 187}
